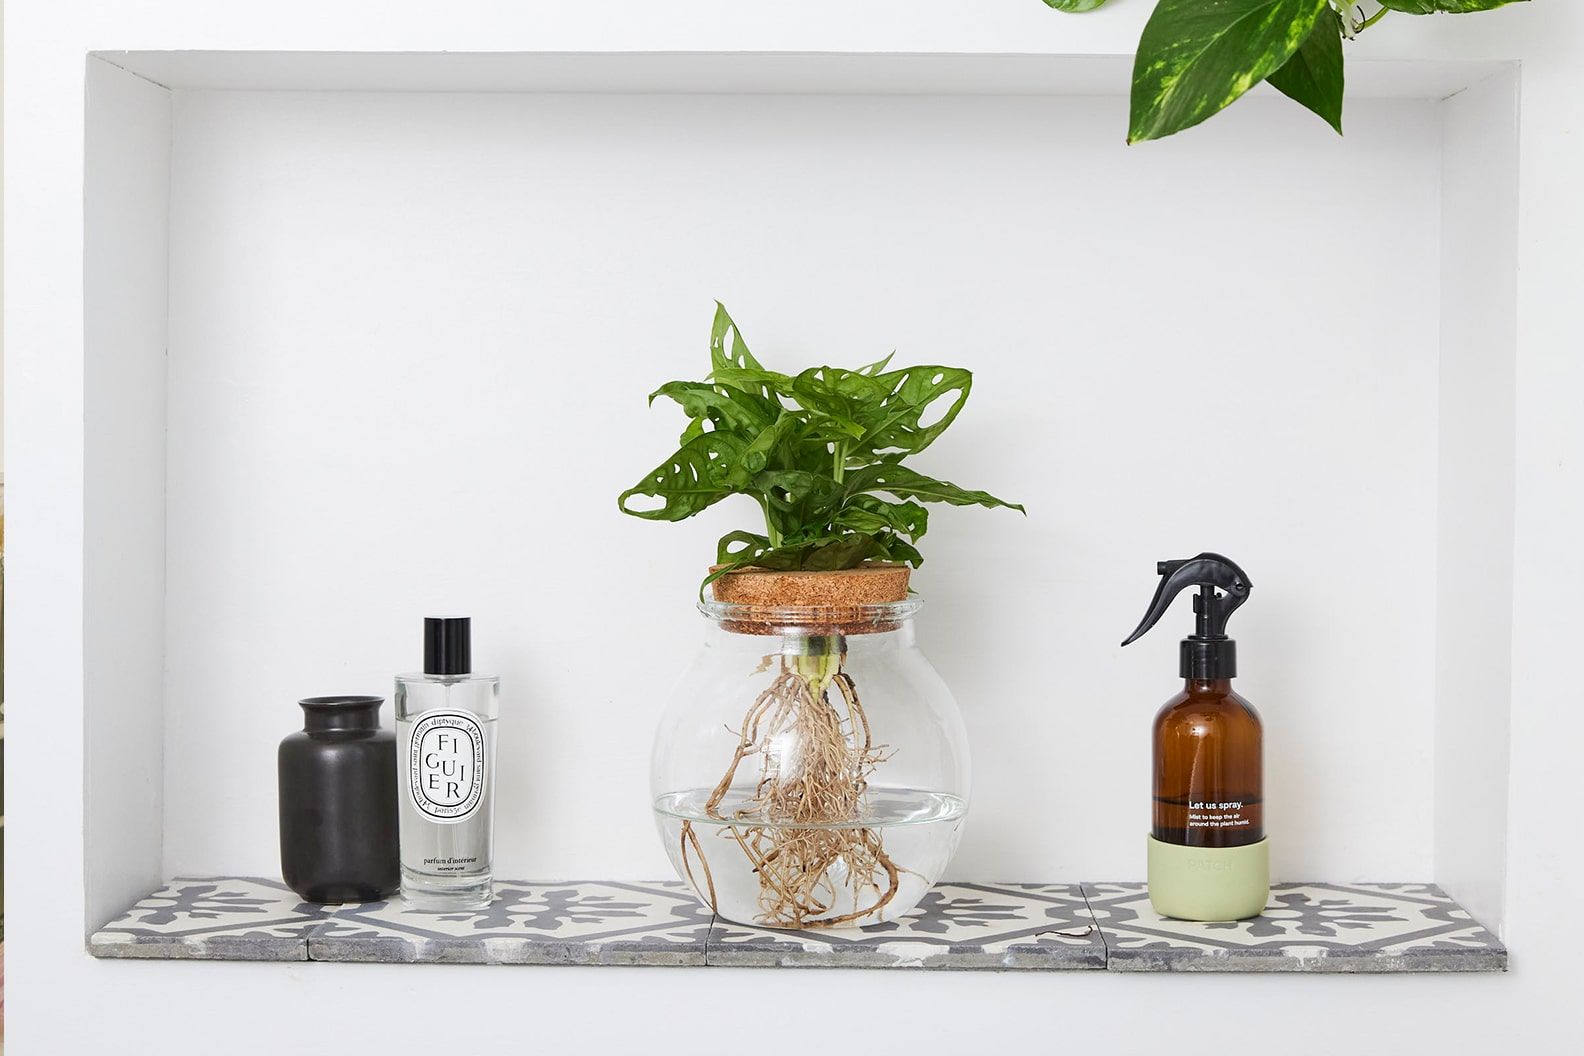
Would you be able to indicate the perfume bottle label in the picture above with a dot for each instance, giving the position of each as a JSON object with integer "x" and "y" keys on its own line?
{"x": 445, "y": 765}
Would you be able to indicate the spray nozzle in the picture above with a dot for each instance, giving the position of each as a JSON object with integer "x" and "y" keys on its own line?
{"x": 1223, "y": 586}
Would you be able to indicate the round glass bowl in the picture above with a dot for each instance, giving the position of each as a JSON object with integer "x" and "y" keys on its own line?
{"x": 811, "y": 769}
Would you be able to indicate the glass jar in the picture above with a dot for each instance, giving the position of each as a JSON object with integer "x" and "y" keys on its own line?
{"x": 811, "y": 770}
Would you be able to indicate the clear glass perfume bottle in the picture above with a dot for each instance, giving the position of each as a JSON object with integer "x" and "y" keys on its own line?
{"x": 445, "y": 729}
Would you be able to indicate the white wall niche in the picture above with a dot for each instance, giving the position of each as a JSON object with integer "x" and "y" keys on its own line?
{"x": 59, "y": 999}
{"x": 349, "y": 317}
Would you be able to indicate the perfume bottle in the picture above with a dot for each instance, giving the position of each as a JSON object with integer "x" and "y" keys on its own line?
{"x": 445, "y": 729}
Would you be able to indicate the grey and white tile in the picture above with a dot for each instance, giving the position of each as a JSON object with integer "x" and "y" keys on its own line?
{"x": 589, "y": 922}
{"x": 213, "y": 918}
{"x": 1304, "y": 928}
{"x": 957, "y": 925}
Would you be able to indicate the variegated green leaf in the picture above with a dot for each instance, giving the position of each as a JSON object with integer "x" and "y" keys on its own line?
{"x": 1313, "y": 76}
{"x": 1445, "y": 7}
{"x": 1074, "y": 5}
{"x": 1198, "y": 56}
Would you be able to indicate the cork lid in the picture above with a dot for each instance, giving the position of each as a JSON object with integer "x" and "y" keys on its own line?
{"x": 864, "y": 600}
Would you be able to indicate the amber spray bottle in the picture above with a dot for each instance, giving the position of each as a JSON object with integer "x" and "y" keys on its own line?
{"x": 1208, "y": 856}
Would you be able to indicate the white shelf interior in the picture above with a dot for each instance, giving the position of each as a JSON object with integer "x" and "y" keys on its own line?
{"x": 369, "y": 337}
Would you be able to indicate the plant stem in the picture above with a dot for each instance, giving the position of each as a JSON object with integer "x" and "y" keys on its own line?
{"x": 772, "y": 533}
{"x": 1361, "y": 26}
{"x": 839, "y": 463}
{"x": 817, "y": 659}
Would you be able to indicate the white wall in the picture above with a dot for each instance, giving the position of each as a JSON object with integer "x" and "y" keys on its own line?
{"x": 124, "y": 470}
{"x": 411, "y": 338}
{"x": 1474, "y": 553}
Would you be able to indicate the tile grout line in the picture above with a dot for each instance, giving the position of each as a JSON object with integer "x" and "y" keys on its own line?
{"x": 308, "y": 938}
{"x": 1105, "y": 944}
{"x": 709, "y": 938}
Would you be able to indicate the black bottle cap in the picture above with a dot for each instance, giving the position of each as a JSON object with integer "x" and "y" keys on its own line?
{"x": 448, "y": 645}
{"x": 1208, "y": 654}
{"x": 1207, "y": 659}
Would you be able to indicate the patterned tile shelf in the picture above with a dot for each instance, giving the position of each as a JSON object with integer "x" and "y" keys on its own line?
{"x": 1060, "y": 927}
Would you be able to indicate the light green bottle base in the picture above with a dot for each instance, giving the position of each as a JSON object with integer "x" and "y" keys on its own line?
{"x": 1209, "y": 883}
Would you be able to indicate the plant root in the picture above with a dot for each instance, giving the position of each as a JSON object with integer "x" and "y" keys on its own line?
{"x": 815, "y": 758}
{"x": 690, "y": 839}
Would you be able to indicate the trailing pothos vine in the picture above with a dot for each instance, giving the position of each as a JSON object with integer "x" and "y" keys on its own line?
{"x": 1196, "y": 57}
{"x": 819, "y": 451}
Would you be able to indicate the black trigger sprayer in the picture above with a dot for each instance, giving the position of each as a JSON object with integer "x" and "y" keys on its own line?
{"x": 1207, "y": 653}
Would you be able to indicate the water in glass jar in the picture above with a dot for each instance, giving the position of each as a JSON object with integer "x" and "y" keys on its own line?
{"x": 918, "y": 830}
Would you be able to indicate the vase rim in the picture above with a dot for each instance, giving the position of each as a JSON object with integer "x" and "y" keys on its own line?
{"x": 340, "y": 701}
{"x": 869, "y": 618}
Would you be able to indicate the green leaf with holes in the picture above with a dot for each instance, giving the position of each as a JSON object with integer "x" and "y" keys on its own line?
{"x": 760, "y": 451}
{"x": 740, "y": 548}
{"x": 913, "y": 395}
{"x": 825, "y": 555}
{"x": 838, "y": 401}
{"x": 691, "y": 480}
{"x": 870, "y": 513}
{"x": 727, "y": 347}
{"x": 1313, "y": 76}
{"x": 808, "y": 496}
{"x": 906, "y": 483}
{"x": 817, "y": 451}
{"x": 1196, "y": 57}
{"x": 733, "y": 367}
{"x": 724, "y": 408}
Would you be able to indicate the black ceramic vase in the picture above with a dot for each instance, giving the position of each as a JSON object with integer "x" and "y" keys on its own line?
{"x": 338, "y": 834}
